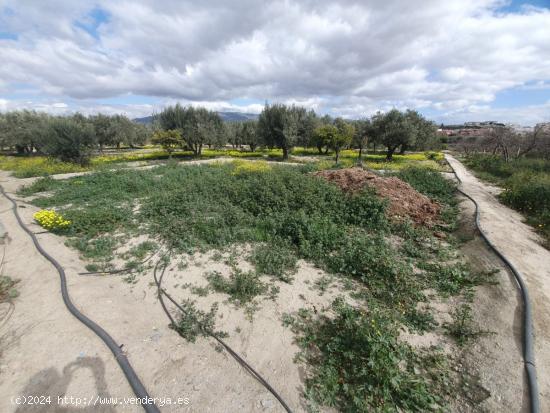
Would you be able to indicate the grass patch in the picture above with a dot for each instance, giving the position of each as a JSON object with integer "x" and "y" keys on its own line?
{"x": 28, "y": 166}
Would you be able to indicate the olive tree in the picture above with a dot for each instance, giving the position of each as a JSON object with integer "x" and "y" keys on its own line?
{"x": 279, "y": 126}
{"x": 199, "y": 126}
{"x": 23, "y": 130}
{"x": 247, "y": 134}
{"x": 69, "y": 139}
{"x": 424, "y": 133}
{"x": 103, "y": 130}
{"x": 393, "y": 129}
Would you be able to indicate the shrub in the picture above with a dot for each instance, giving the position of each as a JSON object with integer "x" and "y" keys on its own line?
{"x": 169, "y": 140}
{"x": 193, "y": 322}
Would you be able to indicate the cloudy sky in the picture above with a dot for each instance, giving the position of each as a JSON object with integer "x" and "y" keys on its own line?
{"x": 453, "y": 60}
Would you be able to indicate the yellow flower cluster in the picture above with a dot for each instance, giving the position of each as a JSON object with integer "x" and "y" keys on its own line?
{"x": 51, "y": 220}
{"x": 242, "y": 167}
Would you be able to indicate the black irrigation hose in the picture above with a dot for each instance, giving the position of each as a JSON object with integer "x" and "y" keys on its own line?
{"x": 236, "y": 356}
{"x": 528, "y": 352}
{"x": 131, "y": 376}
{"x": 119, "y": 271}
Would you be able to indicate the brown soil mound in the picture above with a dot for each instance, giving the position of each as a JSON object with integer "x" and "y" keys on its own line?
{"x": 404, "y": 200}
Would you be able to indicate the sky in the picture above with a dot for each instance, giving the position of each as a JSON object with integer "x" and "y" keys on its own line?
{"x": 452, "y": 60}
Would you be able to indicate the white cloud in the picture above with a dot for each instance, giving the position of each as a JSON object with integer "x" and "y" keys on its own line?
{"x": 350, "y": 55}
{"x": 526, "y": 115}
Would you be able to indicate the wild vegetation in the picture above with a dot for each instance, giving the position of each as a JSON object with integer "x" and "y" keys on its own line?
{"x": 352, "y": 351}
{"x": 526, "y": 183}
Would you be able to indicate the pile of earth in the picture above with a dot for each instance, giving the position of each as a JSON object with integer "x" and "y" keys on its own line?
{"x": 403, "y": 200}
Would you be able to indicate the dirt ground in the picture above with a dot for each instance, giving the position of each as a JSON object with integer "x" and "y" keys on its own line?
{"x": 45, "y": 351}
{"x": 404, "y": 201}
{"x": 522, "y": 246}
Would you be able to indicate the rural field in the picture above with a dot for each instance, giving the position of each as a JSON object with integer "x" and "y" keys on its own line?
{"x": 249, "y": 282}
{"x": 288, "y": 206}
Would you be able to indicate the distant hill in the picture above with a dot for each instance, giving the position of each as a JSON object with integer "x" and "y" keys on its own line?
{"x": 226, "y": 117}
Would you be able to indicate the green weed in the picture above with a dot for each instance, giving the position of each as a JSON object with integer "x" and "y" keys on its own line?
{"x": 241, "y": 286}
{"x": 358, "y": 364}
{"x": 462, "y": 328}
{"x": 194, "y": 323}
{"x": 7, "y": 288}
{"x": 276, "y": 259}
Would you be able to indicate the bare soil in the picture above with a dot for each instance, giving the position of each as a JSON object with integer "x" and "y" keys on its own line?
{"x": 404, "y": 200}
{"x": 46, "y": 351}
{"x": 522, "y": 246}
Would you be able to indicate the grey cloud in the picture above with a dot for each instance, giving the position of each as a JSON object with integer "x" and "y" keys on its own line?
{"x": 356, "y": 55}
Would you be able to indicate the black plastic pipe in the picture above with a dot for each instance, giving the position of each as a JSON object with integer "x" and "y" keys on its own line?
{"x": 161, "y": 291}
{"x": 528, "y": 352}
{"x": 139, "y": 389}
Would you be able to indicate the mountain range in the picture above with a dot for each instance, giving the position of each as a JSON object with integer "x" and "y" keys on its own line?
{"x": 226, "y": 117}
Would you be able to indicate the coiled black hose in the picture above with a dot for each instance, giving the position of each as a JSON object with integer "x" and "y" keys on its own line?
{"x": 139, "y": 389}
{"x": 528, "y": 352}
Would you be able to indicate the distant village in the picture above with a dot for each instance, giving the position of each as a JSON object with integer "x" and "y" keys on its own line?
{"x": 477, "y": 129}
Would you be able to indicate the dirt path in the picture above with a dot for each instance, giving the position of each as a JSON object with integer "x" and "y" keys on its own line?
{"x": 521, "y": 245}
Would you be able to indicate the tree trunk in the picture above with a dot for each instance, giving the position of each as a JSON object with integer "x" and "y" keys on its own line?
{"x": 337, "y": 153}
{"x": 320, "y": 149}
{"x": 285, "y": 153}
{"x": 389, "y": 154}
{"x": 360, "y": 157}
{"x": 403, "y": 149}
